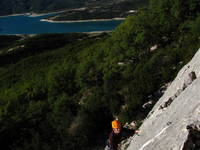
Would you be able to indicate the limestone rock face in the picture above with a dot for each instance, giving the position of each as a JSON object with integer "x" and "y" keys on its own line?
{"x": 174, "y": 122}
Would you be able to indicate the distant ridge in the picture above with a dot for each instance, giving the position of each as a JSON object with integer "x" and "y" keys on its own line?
{"x": 8, "y": 7}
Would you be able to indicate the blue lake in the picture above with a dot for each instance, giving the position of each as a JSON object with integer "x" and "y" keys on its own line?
{"x": 24, "y": 24}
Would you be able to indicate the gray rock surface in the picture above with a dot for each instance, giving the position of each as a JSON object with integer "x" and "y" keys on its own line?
{"x": 174, "y": 122}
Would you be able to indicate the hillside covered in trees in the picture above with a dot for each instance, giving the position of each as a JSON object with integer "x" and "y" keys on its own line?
{"x": 60, "y": 91}
{"x": 8, "y": 7}
{"x": 20, "y": 6}
{"x": 101, "y": 10}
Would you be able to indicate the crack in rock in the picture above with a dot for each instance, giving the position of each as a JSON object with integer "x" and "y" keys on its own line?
{"x": 190, "y": 78}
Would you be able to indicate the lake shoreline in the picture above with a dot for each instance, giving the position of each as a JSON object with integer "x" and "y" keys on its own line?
{"x": 74, "y": 21}
{"x": 32, "y": 14}
{"x": 27, "y": 14}
{"x": 33, "y": 34}
{"x": 24, "y": 24}
{"x": 64, "y": 21}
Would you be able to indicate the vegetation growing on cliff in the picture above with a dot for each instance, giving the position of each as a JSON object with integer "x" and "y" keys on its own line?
{"x": 63, "y": 95}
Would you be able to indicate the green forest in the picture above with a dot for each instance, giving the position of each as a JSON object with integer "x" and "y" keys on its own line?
{"x": 8, "y": 7}
{"x": 101, "y": 10}
{"x": 61, "y": 91}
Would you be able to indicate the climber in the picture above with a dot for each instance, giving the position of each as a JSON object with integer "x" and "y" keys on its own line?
{"x": 118, "y": 134}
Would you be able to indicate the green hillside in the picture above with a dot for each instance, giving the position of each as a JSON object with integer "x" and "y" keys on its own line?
{"x": 8, "y": 7}
{"x": 60, "y": 92}
{"x": 102, "y": 10}
{"x": 21, "y": 6}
